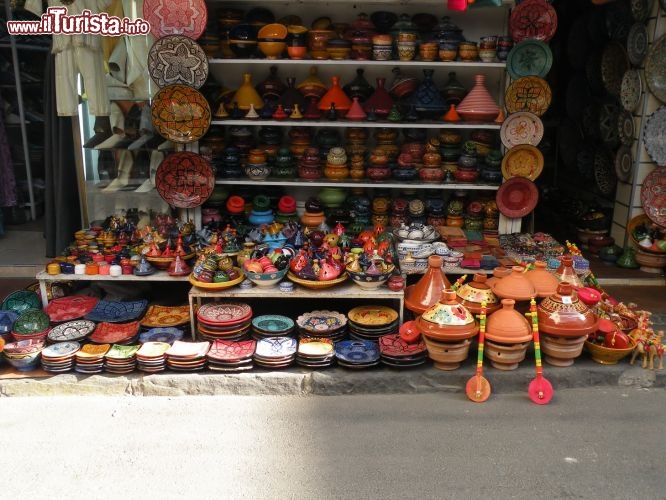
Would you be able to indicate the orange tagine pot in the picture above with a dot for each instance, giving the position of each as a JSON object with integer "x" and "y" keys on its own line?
{"x": 515, "y": 286}
{"x": 472, "y": 294}
{"x": 447, "y": 320}
{"x": 564, "y": 315}
{"x": 428, "y": 290}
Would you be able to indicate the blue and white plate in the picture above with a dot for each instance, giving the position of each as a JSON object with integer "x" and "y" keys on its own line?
{"x": 357, "y": 352}
{"x": 61, "y": 349}
{"x": 164, "y": 334}
{"x": 117, "y": 312}
{"x": 276, "y": 347}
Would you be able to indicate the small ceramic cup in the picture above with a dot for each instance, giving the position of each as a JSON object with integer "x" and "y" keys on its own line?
{"x": 115, "y": 270}
{"x": 80, "y": 269}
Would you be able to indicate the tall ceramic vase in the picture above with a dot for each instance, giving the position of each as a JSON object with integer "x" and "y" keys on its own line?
{"x": 478, "y": 105}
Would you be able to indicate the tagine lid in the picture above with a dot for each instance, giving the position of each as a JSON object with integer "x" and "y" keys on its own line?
{"x": 507, "y": 325}
{"x": 565, "y": 315}
{"x": 543, "y": 280}
{"x": 448, "y": 320}
{"x": 515, "y": 286}
{"x": 473, "y": 293}
{"x": 428, "y": 290}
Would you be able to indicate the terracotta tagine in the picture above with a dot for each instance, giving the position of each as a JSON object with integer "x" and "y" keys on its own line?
{"x": 515, "y": 286}
{"x": 473, "y": 293}
{"x": 561, "y": 351}
{"x": 566, "y": 272}
{"x": 563, "y": 314}
{"x": 337, "y": 97}
{"x": 498, "y": 273}
{"x": 428, "y": 290}
{"x": 478, "y": 104}
{"x": 448, "y": 320}
{"x": 508, "y": 335}
{"x": 543, "y": 280}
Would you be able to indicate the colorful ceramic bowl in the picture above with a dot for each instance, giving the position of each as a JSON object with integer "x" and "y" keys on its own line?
{"x": 267, "y": 279}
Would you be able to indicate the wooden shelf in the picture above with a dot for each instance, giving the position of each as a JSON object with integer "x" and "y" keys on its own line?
{"x": 366, "y": 124}
{"x": 500, "y": 65}
{"x": 364, "y": 183}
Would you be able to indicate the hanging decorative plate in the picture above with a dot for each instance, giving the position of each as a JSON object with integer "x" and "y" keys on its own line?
{"x": 625, "y": 128}
{"x": 517, "y": 197}
{"x": 521, "y": 128}
{"x": 654, "y": 137}
{"x": 70, "y": 307}
{"x": 653, "y": 196}
{"x": 614, "y": 62}
{"x": 523, "y": 160}
{"x": 71, "y": 330}
{"x": 224, "y": 313}
{"x": 372, "y": 315}
{"x": 655, "y": 68}
{"x": 114, "y": 333}
{"x": 637, "y": 43}
{"x": 117, "y": 312}
{"x": 185, "y": 179}
{"x": 21, "y": 300}
{"x": 162, "y": 316}
{"x": 631, "y": 89}
{"x": 528, "y": 93}
{"x": 276, "y": 347}
{"x": 529, "y": 57}
{"x": 167, "y": 334}
{"x": 61, "y": 349}
{"x": 609, "y": 109}
{"x": 177, "y": 59}
{"x": 180, "y": 113}
{"x": 640, "y": 10}
{"x": 176, "y": 17}
{"x": 624, "y": 163}
{"x": 604, "y": 171}
{"x": 533, "y": 19}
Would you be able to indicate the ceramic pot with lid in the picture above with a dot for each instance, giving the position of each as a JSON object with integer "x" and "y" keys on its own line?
{"x": 507, "y": 325}
{"x": 447, "y": 320}
{"x": 543, "y": 280}
{"x": 566, "y": 272}
{"x": 428, "y": 290}
{"x": 515, "y": 286}
{"x": 473, "y": 293}
{"x": 564, "y": 315}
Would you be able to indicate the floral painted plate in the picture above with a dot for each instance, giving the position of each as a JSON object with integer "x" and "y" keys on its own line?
{"x": 114, "y": 333}
{"x": 521, "y": 128}
{"x": 20, "y": 301}
{"x": 528, "y": 93}
{"x": 640, "y": 9}
{"x": 357, "y": 352}
{"x": 653, "y": 196}
{"x": 71, "y": 331}
{"x": 533, "y": 19}
{"x": 625, "y": 128}
{"x": 614, "y": 62}
{"x": 180, "y": 113}
{"x": 185, "y": 179}
{"x": 321, "y": 322}
{"x": 517, "y": 197}
{"x": 117, "y": 312}
{"x": 161, "y": 334}
{"x": 226, "y": 350}
{"x": 276, "y": 347}
{"x": 176, "y": 17}
{"x": 61, "y": 349}
{"x": 637, "y": 43}
{"x": 31, "y": 322}
{"x": 163, "y": 316}
{"x": 624, "y": 163}
{"x": 151, "y": 351}
{"x": 654, "y": 138}
{"x": 177, "y": 59}
{"x": 529, "y": 57}
{"x": 224, "y": 313}
{"x": 523, "y": 160}
{"x": 604, "y": 171}
{"x": 655, "y": 68}
{"x": 631, "y": 89}
{"x": 372, "y": 315}
{"x": 70, "y": 307}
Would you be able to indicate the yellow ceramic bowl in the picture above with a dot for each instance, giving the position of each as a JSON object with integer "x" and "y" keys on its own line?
{"x": 272, "y": 50}
{"x": 273, "y": 30}
{"x": 606, "y": 355}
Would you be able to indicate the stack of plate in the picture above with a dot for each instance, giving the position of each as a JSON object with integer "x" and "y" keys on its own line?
{"x": 115, "y": 333}
{"x": 71, "y": 331}
{"x": 275, "y": 352}
{"x": 187, "y": 356}
{"x": 167, "y": 334}
{"x": 121, "y": 359}
{"x": 167, "y": 316}
{"x": 371, "y": 322}
{"x": 59, "y": 357}
{"x": 397, "y": 353}
{"x": 315, "y": 353}
{"x": 271, "y": 325}
{"x": 230, "y": 356}
{"x": 90, "y": 358}
{"x": 151, "y": 358}
{"x": 357, "y": 353}
{"x": 224, "y": 321}
{"x": 322, "y": 324}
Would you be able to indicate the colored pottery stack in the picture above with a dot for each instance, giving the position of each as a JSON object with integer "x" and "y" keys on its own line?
{"x": 261, "y": 211}
{"x": 257, "y": 167}
{"x": 300, "y": 139}
{"x": 378, "y": 169}
{"x": 309, "y": 166}
{"x": 284, "y": 166}
{"x": 447, "y": 329}
{"x": 508, "y": 335}
{"x": 231, "y": 163}
{"x": 428, "y": 290}
{"x": 478, "y": 105}
{"x": 314, "y": 213}
{"x": 336, "y": 164}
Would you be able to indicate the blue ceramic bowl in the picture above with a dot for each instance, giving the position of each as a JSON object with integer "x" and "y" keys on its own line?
{"x": 24, "y": 362}
{"x": 266, "y": 279}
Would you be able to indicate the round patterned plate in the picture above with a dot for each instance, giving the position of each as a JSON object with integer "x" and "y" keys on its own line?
{"x": 637, "y": 43}
{"x": 372, "y": 315}
{"x": 164, "y": 316}
{"x": 321, "y": 322}
{"x": 614, "y": 62}
{"x": 227, "y": 350}
{"x": 521, "y": 128}
{"x": 626, "y": 128}
{"x": 70, "y": 307}
{"x": 185, "y": 179}
{"x": 624, "y": 163}
{"x": 272, "y": 323}
{"x": 533, "y": 19}
{"x": 517, "y": 197}
{"x": 654, "y": 137}
{"x": 21, "y": 300}
{"x": 653, "y": 196}
{"x": 71, "y": 331}
{"x": 640, "y": 10}
{"x": 117, "y": 312}
{"x": 529, "y": 57}
{"x": 224, "y": 313}
{"x": 357, "y": 351}
{"x": 655, "y": 68}
{"x": 180, "y": 113}
{"x": 176, "y": 17}
{"x": 177, "y": 59}
{"x": 61, "y": 349}
{"x": 167, "y": 334}
{"x": 631, "y": 89}
{"x": 276, "y": 347}
{"x": 604, "y": 171}
{"x": 30, "y": 322}
{"x": 523, "y": 160}
{"x": 609, "y": 110}
{"x": 528, "y": 93}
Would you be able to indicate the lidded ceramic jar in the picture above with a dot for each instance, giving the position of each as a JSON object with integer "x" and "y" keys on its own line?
{"x": 428, "y": 290}
{"x": 473, "y": 293}
{"x": 478, "y": 104}
{"x": 543, "y": 280}
{"x": 447, "y": 320}
{"x": 566, "y": 272}
{"x": 564, "y": 315}
{"x": 507, "y": 325}
{"x": 515, "y": 286}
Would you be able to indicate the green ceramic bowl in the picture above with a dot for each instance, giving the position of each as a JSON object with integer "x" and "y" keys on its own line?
{"x": 21, "y": 300}
{"x": 31, "y": 321}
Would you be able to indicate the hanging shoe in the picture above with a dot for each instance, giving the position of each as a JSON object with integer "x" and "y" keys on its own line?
{"x": 156, "y": 158}
{"x": 146, "y": 131}
{"x": 125, "y": 165}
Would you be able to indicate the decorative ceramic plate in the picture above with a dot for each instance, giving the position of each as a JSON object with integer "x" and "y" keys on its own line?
{"x": 276, "y": 347}
{"x": 218, "y": 286}
{"x": 609, "y": 110}
{"x": 624, "y": 163}
{"x": 357, "y": 351}
{"x": 529, "y": 93}
{"x": 167, "y": 334}
{"x": 321, "y": 322}
{"x": 315, "y": 348}
{"x": 122, "y": 352}
{"x": 655, "y": 68}
{"x": 61, "y": 349}
{"x": 393, "y": 345}
{"x": 224, "y": 313}
{"x": 523, "y": 160}
{"x": 177, "y": 59}
{"x": 653, "y": 196}
{"x": 114, "y": 333}
{"x": 317, "y": 285}
{"x": 640, "y": 9}
{"x": 157, "y": 316}
{"x": 614, "y": 62}
{"x": 71, "y": 331}
{"x": 92, "y": 351}
{"x": 185, "y": 179}
{"x": 180, "y": 113}
{"x": 604, "y": 171}
{"x": 70, "y": 307}
{"x": 521, "y": 128}
{"x": 182, "y": 349}
{"x": 30, "y": 322}
{"x": 529, "y": 57}
{"x": 176, "y": 17}
{"x": 272, "y": 323}
{"x": 225, "y": 350}
{"x": 21, "y": 300}
{"x": 654, "y": 137}
{"x": 152, "y": 350}
{"x": 517, "y": 197}
{"x": 637, "y": 44}
{"x": 533, "y": 19}
{"x": 625, "y": 128}
{"x": 117, "y": 312}
{"x": 372, "y": 315}
{"x": 631, "y": 89}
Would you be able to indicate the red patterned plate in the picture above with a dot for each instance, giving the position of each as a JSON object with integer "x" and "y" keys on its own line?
{"x": 533, "y": 19}
{"x": 517, "y": 197}
{"x": 176, "y": 17}
{"x": 653, "y": 196}
{"x": 393, "y": 345}
{"x": 227, "y": 350}
{"x": 180, "y": 113}
{"x": 114, "y": 333}
{"x": 185, "y": 179}
{"x": 224, "y": 313}
{"x": 70, "y": 307}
